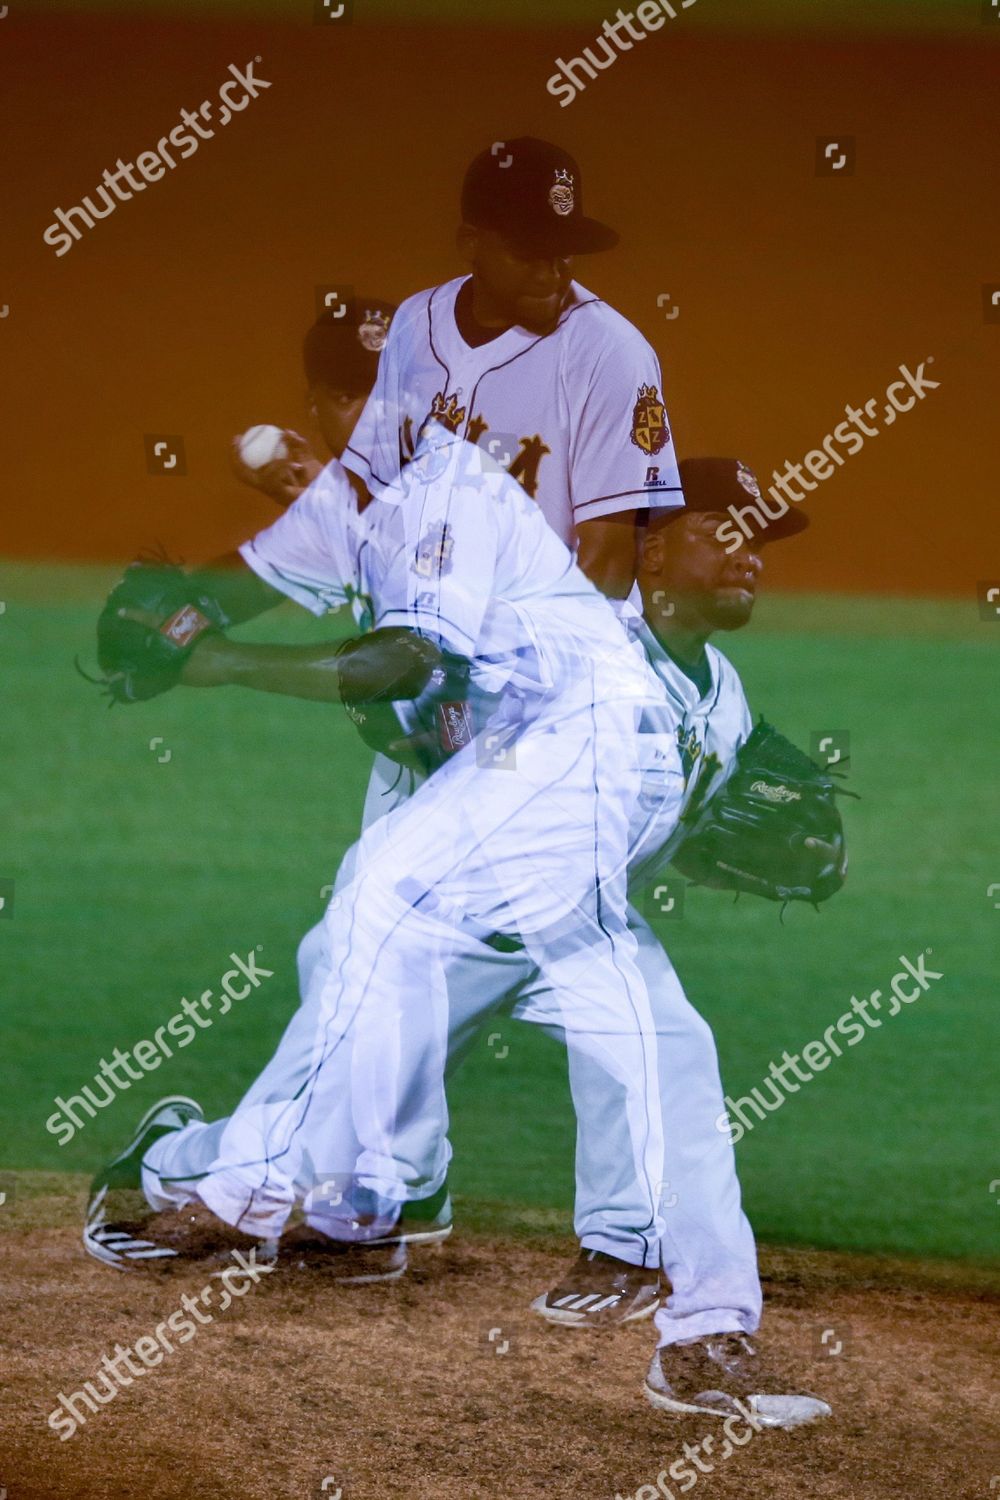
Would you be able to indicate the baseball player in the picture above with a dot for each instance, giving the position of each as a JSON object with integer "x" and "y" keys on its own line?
{"x": 340, "y": 355}
{"x": 461, "y": 557}
{"x": 524, "y": 361}
{"x": 688, "y": 748}
{"x": 549, "y": 380}
{"x": 594, "y": 353}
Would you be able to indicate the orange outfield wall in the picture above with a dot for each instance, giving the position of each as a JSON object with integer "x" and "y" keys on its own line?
{"x": 182, "y": 312}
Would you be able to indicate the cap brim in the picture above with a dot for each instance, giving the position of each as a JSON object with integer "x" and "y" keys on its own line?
{"x": 568, "y": 237}
{"x": 790, "y": 524}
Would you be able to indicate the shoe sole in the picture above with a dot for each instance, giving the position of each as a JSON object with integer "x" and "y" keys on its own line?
{"x": 95, "y": 1247}
{"x": 414, "y": 1237}
{"x": 683, "y": 1408}
{"x": 566, "y": 1318}
{"x": 109, "y": 1257}
{"x": 374, "y": 1276}
{"x": 361, "y": 1278}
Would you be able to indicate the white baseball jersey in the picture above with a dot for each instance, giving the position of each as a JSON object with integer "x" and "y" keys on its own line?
{"x": 458, "y": 553}
{"x": 687, "y": 748}
{"x": 577, "y": 415}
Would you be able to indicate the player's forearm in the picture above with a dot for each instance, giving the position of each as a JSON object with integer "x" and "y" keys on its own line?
{"x": 296, "y": 671}
{"x": 236, "y": 587}
{"x": 607, "y": 553}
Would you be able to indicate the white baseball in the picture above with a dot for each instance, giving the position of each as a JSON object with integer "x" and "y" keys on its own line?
{"x": 262, "y": 445}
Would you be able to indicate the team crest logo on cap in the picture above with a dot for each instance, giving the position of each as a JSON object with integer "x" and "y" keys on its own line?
{"x": 434, "y": 551}
{"x": 748, "y": 480}
{"x": 649, "y": 421}
{"x": 374, "y": 331}
{"x": 561, "y": 193}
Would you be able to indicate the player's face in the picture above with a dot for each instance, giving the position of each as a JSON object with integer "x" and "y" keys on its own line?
{"x": 512, "y": 287}
{"x": 709, "y": 588}
{"x": 337, "y": 413}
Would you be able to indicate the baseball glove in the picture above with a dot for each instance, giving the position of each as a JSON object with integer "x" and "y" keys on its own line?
{"x": 140, "y": 661}
{"x": 407, "y": 698}
{"x": 773, "y": 829}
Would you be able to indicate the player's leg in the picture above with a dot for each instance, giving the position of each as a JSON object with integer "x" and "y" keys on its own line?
{"x": 462, "y": 842}
{"x": 707, "y": 1247}
{"x": 295, "y": 1127}
{"x": 548, "y": 863}
{"x": 179, "y": 1161}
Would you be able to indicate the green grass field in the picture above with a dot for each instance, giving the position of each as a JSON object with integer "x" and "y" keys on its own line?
{"x": 136, "y": 876}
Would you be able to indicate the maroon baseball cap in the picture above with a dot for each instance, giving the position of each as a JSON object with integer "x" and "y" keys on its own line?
{"x": 531, "y": 192}
{"x": 342, "y": 347}
{"x": 725, "y": 486}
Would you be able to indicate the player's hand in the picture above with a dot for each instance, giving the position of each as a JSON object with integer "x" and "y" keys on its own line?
{"x": 286, "y": 478}
{"x": 208, "y": 662}
{"x": 834, "y": 850}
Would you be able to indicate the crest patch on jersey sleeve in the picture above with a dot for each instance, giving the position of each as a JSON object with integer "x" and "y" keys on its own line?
{"x": 649, "y": 421}
{"x": 434, "y": 551}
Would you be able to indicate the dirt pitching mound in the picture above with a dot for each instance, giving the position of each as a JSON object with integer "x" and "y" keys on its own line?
{"x": 444, "y": 1384}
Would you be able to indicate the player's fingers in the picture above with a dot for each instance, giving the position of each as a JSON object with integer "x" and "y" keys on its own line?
{"x": 244, "y": 474}
{"x": 140, "y": 616}
{"x": 834, "y": 850}
{"x": 301, "y": 454}
{"x": 280, "y": 481}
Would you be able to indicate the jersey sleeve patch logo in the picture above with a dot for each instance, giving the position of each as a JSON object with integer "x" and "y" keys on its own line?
{"x": 561, "y": 199}
{"x": 649, "y": 422}
{"x": 434, "y": 551}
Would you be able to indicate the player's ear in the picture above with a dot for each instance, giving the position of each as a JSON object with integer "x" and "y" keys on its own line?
{"x": 652, "y": 553}
{"x": 467, "y": 242}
